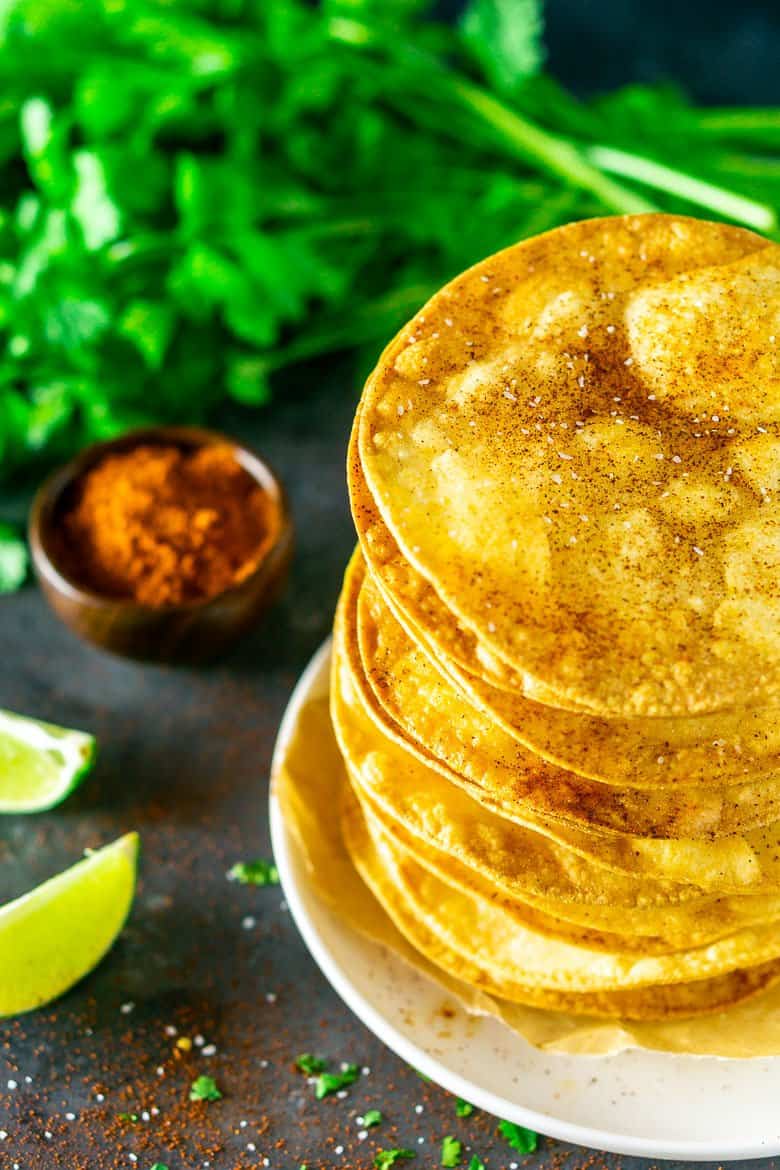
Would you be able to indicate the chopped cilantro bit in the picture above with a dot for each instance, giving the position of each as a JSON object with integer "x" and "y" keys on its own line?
{"x": 387, "y": 1158}
{"x": 451, "y": 1150}
{"x": 311, "y": 1065}
{"x": 463, "y": 1108}
{"x": 205, "y": 1089}
{"x": 13, "y": 559}
{"x": 476, "y": 1163}
{"x": 521, "y": 1139}
{"x": 158, "y": 1166}
{"x": 332, "y": 1082}
{"x": 372, "y": 1117}
{"x": 127, "y": 1116}
{"x": 254, "y": 873}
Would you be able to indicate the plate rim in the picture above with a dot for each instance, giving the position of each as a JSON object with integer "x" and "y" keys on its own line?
{"x": 284, "y": 846}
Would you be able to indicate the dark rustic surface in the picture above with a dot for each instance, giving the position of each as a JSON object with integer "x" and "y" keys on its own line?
{"x": 184, "y": 759}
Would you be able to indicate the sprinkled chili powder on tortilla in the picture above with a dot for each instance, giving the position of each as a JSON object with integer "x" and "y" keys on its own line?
{"x": 162, "y": 526}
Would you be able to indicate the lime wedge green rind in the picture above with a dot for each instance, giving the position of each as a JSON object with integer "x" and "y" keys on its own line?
{"x": 56, "y": 934}
{"x": 40, "y": 764}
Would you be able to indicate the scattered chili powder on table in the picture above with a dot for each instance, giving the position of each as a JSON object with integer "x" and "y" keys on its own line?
{"x": 163, "y": 525}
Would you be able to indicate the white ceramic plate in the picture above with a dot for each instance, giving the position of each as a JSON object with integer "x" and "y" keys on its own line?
{"x": 636, "y": 1102}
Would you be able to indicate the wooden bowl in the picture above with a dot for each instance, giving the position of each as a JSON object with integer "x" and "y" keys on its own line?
{"x": 191, "y": 632}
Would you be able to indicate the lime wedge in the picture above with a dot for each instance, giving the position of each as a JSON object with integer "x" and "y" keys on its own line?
{"x": 40, "y": 764}
{"x": 53, "y": 936}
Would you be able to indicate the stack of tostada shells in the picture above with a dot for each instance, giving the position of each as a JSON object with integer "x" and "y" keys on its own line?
{"x": 556, "y": 668}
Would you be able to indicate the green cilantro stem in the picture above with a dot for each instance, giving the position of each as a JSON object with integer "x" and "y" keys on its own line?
{"x": 740, "y": 121}
{"x": 674, "y": 182}
{"x": 555, "y": 155}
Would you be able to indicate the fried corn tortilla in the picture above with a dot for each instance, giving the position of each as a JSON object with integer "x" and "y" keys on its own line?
{"x": 515, "y": 964}
{"x": 437, "y": 720}
{"x": 571, "y": 411}
{"x": 636, "y": 752}
{"x": 647, "y": 929}
{"x": 733, "y": 865}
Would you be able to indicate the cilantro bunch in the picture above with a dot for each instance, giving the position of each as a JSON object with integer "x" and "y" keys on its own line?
{"x": 197, "y": 194}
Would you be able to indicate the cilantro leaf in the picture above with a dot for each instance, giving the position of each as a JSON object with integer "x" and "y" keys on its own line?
{"x": 384, "y": 1159}
{"x": 451, "y": 1150}
{"x": 521, "y": 1139}
{"x": 505, "y": 38}
{"x": 93, "y": 208}
{"x": 13, "y": 560}
{"x": 463, "y": 1108}
{"x": 254, "y": 873}
{"x": 205, "y": 1089}
{"x": 476, "y": 1163}
{"x": 332, "y": 1082}
{"x": 148, "y": 326}
{"x": 372, "y": 1117}
{"x": 310, "y": 1065}
{"x": 158, "y": 1166}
